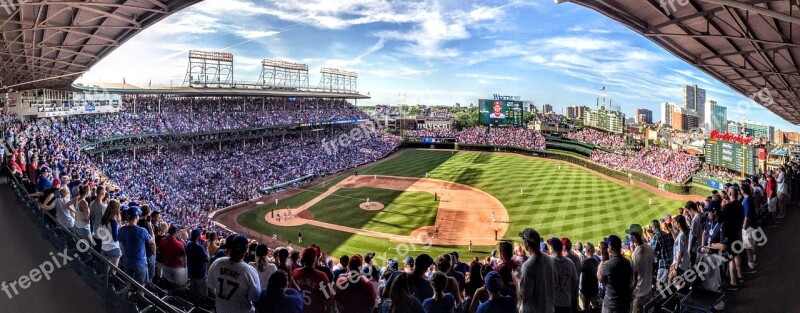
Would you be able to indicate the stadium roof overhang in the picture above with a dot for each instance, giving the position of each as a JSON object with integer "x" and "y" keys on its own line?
{"x": 48, "y": 44}
{"x": 748, "y": 45}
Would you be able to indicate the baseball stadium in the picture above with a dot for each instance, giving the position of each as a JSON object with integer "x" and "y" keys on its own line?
{"x": 270, "y": 193}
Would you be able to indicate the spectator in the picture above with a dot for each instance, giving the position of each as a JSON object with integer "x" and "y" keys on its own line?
{"x": 680, "y": 249}
{"x": 441, "y": 302}
{"x": 146, "y": 223}
{"x": 358, "y": 294}
{"x": 197, "y": 262}
{"x": 662, "y": 244}
{"x": 642, "y": 266}
{"x": 108, "y": 233}
{"x": 309, "y": 279}
{"x": 589, "y": 285}
{"x": 132, "y": 240}
{"x": 497, "y": 303}
{"x": 341, "y": 268}
{"x": 278, "y": 298}
{"x": 733, "y": 214}
{"x": 263, "y": 266}
{"x": 566, "y": 278}
{"x": 97, "y": 209}
{"x": 174, "y": 256}
{"x": 400, "y": 299}
{"x": 616, "y": 273}
{"x": 234, "y": 282}
{"x": 536, "y": 278}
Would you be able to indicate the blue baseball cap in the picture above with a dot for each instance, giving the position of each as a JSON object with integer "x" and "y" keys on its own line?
{"x": 132, "y": 212}
{"x": 493, "y": 281}
{"x": 615, "y": 242}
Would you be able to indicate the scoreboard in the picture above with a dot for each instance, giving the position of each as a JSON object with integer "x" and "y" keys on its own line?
{"x": 730, "y": 154}
{"x": 500, "y": 112}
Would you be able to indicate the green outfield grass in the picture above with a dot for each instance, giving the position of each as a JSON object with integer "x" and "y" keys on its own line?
{"x": 404, "y": 211}
{"x": 566, "y": 201}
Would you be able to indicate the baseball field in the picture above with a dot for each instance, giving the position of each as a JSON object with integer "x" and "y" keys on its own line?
{"x": 466, "y": 196}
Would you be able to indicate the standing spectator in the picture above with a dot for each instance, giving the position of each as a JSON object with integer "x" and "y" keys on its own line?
{"x": 108, "y": 233}
{"x": 309, "y": 279}
{"x": 355, "y": 297}
{"x": 616, "y": 273}
{"x": 749, "y": 224}
{"x": 680, "y": 250}
{"x": 197, "y": 266}
{"x": 400, "y": 299}
{"x": 662, "y": 244}
{"x": 234, "y": 282}
{"x": 263, "y": 267}
{"x": 459, "y": 266}
{"x": 341, "y": 268}
{"x": 536, "y": 278}
{"x": 642, "y": 265}
{"x": 278, "y": 298}
{"x": 497, "y": 303}
{"x": 65, "y": 214}
{"x": 83, "y": 227}
{"x": 506, "y": 266}
{"x": 696, "y": 229}
{"x": 97, "y": 209}
{"x": 146, "y": 223}
{"x": 441, "y": 302}
{"x": 733, "y": 214}
{"x": 174, "y": 256}
{"x": 132, "y": 240}
{"x": 781, "y": 188}
{"x": 212, "y": 243}
{"x": 576, "y": 260}
{"x": 566, "y": 278}
{"x": 589, "y": 285}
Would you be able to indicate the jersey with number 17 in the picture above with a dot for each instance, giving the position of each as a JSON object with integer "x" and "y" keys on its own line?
{"x": 236, "y": 284}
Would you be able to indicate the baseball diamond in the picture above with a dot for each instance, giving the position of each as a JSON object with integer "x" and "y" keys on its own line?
{"x": 562, "y": 197}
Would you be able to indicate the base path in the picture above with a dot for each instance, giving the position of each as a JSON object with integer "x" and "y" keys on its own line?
{"x": 464, "y": 213}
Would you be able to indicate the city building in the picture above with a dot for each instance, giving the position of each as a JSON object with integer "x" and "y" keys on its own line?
{"x": 611, "y": 121}
{"x": 716, "y": 116}
{"x": 666, "y": 113}
{"x": 530, "y": 108}
{"x": 643, "y": 116}
{"x": 752, "y": 129}
{"x": 575, "y": 112}
{"x": 694, "y": 99}
{"x": 683, "y": 119}
{"x": 791, "y": 137}
{"x": 546, "y": 108}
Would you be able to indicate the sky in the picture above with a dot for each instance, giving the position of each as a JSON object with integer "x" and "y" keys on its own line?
{"x": 430, "y": 52}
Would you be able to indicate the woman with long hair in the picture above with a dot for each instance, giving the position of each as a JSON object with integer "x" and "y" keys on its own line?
{"x": 109, "y": 227}
{"x": 400, "y": 298}
{"x": 680, "y": 250}
{"x": 263, "y": 266}
{"x": 277, "y": 298}
{"x": 441, "y": 302}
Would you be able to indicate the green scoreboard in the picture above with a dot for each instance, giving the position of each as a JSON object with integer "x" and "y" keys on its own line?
{"x": 731, "y": 155}
{"x": 500, "y": 112}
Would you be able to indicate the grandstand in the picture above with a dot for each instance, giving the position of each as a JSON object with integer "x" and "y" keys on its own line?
{"x": 155, "y": 196}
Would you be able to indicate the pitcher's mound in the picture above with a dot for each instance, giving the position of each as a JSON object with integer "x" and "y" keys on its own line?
{"x": 372, "y": 206}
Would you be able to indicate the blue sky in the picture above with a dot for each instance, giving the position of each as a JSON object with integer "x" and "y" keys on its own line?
{"x": 430, "y": 52}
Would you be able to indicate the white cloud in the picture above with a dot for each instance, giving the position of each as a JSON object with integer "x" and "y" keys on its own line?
{"x": 254, "y": 34}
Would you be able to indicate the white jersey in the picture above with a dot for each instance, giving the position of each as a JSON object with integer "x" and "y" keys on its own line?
{"x": 236, "y": 283}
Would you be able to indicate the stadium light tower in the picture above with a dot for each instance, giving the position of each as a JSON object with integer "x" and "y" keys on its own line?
{"x": 336, "y": 80}
{"x": 209, "y": 69}
{"x": 282, "y": 74}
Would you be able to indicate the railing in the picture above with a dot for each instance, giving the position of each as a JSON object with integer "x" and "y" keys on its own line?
{"x": 119, "y": 292}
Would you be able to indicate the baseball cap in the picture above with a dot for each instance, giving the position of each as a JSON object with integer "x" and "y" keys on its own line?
{"x": 409, "y": 260}
{"x": 239, "y": 244}
{"x": 614, "y": 241}
{"x": 369, "y": 256}
{"x": 355, "y": 262}
{"x": 393, "y": 264}
{"x": 635, "y": 228}
{"x": 56, "y": 182}
{"x": 196, "y": 233}
{"x": 709, "y": 208}
{"x": 423, "y": 260}
{"x": 309, "y": 254}
{"x": 493, "y": 281}
{"x": 132, "y": 212}
{"x": 530, "y": 234}
{"x": 556, "y": 244}
{"x": 566, "y": 242}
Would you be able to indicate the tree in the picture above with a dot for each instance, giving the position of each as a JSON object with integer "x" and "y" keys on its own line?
{"x": 466, "y": 118}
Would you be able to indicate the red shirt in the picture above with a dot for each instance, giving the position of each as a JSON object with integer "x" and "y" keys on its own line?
{"x": 355, "y": 298}
{"x": 772, "y": 186}
{"x": 308, "y": 280}
{"x": 173, "y": 252}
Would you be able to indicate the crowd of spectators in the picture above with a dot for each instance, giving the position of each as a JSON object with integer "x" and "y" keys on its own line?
{"x": 431, "y": 133}
{"x": 191, "y": 115}
{"x": 663, "y": 163}
{"x": 382, "y": 110}
{"x": 502, "y": 136}
{"x": 608, "y": 140}
{"x": 549, "y": 118}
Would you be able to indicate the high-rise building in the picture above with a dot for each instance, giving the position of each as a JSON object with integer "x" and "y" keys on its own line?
{"x": 683, "y": 119}
{"x": 611, "y": 121}
{"x": 575, "y": 112}
{"x": 752, "y": 129}
{"x": 666, "y": 113}
{"x": 716, "y": 116}
{"x": 734, "y": 127}
{"x": 694, "y": 99}
{"x": 546, "y": 108}
{"x": 643, "y": 116}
